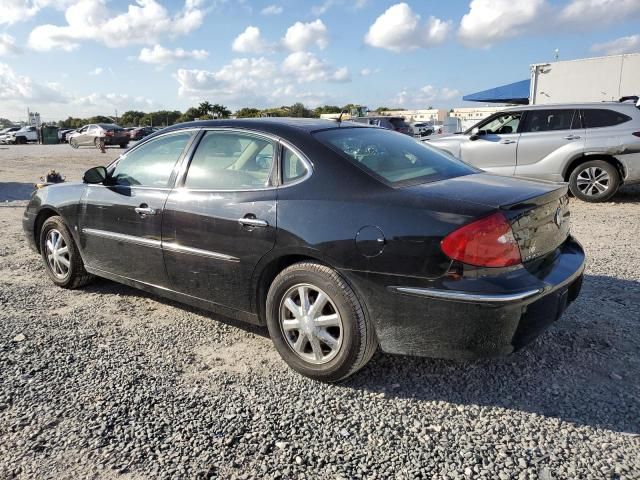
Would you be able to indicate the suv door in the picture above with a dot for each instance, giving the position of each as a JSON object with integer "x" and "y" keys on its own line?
{"x": 548, "y": 139}
{"x": 120, "y": 221}
{"x": 492, "y": 145}
{"x": 220, "y": 220}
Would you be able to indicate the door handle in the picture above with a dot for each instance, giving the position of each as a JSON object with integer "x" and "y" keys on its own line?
{"x": 572, "y": 137}
{"x": 144, "y": 210}
{"x": 506, "y": 141}
{"x": 253, "y": 222}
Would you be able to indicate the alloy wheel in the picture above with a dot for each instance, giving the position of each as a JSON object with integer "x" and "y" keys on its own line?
{"x": 57, "y": 254}
{"x": 593, "y": 181}
{"x": 311, "y": 323}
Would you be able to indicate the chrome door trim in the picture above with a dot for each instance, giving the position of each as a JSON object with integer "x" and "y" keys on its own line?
{"x": 174, "y": 247}
{"x": 253, "y": 222}
{"x": 121, "y": 237}
{"x": 458, "y": 296}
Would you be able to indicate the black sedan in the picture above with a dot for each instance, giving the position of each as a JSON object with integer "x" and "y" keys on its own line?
{"x": 338, "y": 236}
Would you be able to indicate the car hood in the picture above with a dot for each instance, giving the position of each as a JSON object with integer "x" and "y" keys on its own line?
{"x": 493, "y": 191}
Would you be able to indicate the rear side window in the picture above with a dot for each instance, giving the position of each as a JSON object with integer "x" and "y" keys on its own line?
{"x": 293, "y": 168}
{"x": 392, "y": 157}
{"x": 549, "y": 120}
{"x": 598, "y": 117}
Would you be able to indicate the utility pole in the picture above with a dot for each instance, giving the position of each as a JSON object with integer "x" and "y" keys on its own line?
{"x": 116, "y": 115}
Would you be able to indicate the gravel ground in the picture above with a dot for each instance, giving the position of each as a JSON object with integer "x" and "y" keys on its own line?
{"x": 109, "y": 382}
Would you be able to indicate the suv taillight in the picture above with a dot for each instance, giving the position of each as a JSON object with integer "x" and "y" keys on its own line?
{"x": 488, "y": 242}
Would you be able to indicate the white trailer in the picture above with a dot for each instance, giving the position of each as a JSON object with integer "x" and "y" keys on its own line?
{"x": 585, "y": 80}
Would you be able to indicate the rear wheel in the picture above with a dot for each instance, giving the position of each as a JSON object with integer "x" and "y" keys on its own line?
{"x": 594, "y": 181}
{"x": 317, "y": 323}
{"x": 61, "y": 256}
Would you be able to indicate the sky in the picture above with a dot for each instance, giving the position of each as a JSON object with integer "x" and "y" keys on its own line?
{"x": 87, "y": 57}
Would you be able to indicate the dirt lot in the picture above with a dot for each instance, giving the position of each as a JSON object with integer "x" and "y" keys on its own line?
{"x": 109, "y": 382}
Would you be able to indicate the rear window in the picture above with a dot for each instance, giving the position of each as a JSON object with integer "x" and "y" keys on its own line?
{"x": 597, "y": 117}
{"x": 392, "y": 157}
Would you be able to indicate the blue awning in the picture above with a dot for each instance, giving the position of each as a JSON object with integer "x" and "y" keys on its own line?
{"x": 517, "y": 92}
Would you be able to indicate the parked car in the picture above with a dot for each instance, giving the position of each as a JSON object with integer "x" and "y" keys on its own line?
{"x": 397, "y": 124}
{"x": 140, "y": 132}
{"x": 90, "y": 135}
{"x": 21, "y": 136}
{"x": 64, "y": 133}
{"x": 4, "y": 133}
{"x": 421, "y": 129}
{"x": 593, "y": 146}
{"x": 337, "y": 236}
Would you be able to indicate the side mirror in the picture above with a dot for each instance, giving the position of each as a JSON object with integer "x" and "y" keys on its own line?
{"x": 474, "y": 137}
{"x": 478, "y": 134}
{"x": 95, "y": 175}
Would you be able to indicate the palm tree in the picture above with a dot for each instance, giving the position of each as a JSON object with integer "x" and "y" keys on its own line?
{"x": 220, "y": 111}
{"x": 205, "y": 108}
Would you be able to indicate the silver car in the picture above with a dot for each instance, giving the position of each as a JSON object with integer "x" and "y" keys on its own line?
{"x": 593, "y": 146}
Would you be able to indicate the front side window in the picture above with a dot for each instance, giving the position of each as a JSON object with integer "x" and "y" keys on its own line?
{"x": 231, "y": 161}
{"x": 501, "y": 125}
{"x": 393, "y": 157}
{"x": 549, "y": 120}
{"x": 151, "y": 164}
{"x": 598, "y": 117}
{"x": 293, "y": 168}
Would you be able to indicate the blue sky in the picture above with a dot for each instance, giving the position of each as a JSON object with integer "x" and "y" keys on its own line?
{"x": 70, "y": 57}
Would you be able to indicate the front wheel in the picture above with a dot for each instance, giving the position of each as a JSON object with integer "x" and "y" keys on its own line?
{"x": 317, "y": 323}
{"x": 60, "y": 254}
{"x": 74, "y": 143}
{"x": 594, "y": 181}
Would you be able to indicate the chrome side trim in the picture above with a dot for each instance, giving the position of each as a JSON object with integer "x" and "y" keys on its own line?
{"x": 121, "y": 237}
{"x": 457, "y": 296}
{"x": 174, "y": 247}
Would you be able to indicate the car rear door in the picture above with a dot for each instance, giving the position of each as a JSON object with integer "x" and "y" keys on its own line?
{"x": 220, "y": 220}
{"x": 548, "y": 137}
{"x": 121, "y": 221}
{"x": 492, "y": 146}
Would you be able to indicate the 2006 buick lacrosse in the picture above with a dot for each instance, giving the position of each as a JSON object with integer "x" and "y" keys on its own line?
{"x": 339, "y": 237}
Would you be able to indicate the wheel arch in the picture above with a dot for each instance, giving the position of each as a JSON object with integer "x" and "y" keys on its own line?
{"x": 44, "y": 213}
{"x": 586, "y": 157}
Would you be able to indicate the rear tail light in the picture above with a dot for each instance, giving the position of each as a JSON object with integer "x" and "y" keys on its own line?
{"x": 488, "y": 242}
{"x": 636, "y": 134}
{"x": 109, "y": 133}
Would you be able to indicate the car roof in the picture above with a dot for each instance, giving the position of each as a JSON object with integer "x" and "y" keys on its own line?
{"x": 571, "y": 105}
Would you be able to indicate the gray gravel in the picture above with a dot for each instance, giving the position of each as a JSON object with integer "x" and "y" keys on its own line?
{"x": 109, "y": 382}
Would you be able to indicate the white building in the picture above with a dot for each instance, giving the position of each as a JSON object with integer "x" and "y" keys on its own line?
{"x": 469, "y": 116}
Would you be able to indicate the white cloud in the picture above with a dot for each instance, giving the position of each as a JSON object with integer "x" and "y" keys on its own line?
{"x": 630, "y": 44}
{"x": 250, "y": 41}
{"x": 107, "y": 102}
{"x": 158, "y": 55}
{"x": 143, "y": 23}
{"x": 8, "y": 45}
{"x": 18, "y": 88}
{"x": 14, "y": 11}
{"x": 306, "y": 67}
{"x": 399, "y": 29}
{"x": 272, "y": 10}
{"x": 300, "y": 36}
{"x": 323, "y": 7}
{"x": 598, "y": 12}
{"x": 425, "y": 96}
{"x": 96, "y": 71}
{"x": 365, "y": 72}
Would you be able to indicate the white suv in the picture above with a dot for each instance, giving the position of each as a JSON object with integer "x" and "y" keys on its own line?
{"x": 24, "y": 135}
{"x": 593, "y": 146}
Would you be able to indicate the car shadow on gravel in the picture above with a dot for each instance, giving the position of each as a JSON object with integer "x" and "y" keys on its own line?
{"x": 11, "y": 191}
{"x": 585, "y": 369}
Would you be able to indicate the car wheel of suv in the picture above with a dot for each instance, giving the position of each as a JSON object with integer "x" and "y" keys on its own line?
{"x": 317, "y": 323}
{"x": 61, "y": 256}
{"x": 74, "y": 143}
{"x": 594, "y": 181}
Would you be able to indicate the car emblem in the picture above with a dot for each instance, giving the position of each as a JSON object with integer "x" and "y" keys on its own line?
{"x": 558, "y": 217}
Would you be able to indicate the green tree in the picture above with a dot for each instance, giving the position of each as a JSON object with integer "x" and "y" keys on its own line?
{"x": 205, "y": 108}
{"x": 131, "y": 118}
{"x": 190, "y": 115}
{"x": 326, "y": 109}
{"x": 299, "y": 110}
{"x": 247, "y": 112}
{"x": 219, "y": 111}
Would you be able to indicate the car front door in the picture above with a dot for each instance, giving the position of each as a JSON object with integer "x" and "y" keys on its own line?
{"x": 121, "y": 220}
{"x": 492, "y": 145}
{"x": 220, "y": 220}
{"x": 547, "y": 139}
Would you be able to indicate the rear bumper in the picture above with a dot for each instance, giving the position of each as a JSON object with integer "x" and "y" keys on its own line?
{"x": 116, "y": 140}
{"x": 414, "y": 319}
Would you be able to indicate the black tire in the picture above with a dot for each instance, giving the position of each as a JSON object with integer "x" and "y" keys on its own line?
{"x": 358, "y": 340}
{"x": 75, "y": 275}
{"x": 582, "y": 187}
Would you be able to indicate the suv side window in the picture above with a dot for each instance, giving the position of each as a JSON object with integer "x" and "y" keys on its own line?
{"x": 151, "y": 164}
{"x": 502, "y": 124}
{"x": 293, "y": 168}
{"x": 231, "y": 161}
{"x": 599, "y": 117}
{"x": 549, "y": 120}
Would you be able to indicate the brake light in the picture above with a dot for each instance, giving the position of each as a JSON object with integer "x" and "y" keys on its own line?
{"x": 488, "y": 242}
{"x": 109, "y": 133}
{"x": 636, "y": 134}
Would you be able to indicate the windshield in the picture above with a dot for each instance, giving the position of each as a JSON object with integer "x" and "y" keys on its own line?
{"x": 393, "y": 157}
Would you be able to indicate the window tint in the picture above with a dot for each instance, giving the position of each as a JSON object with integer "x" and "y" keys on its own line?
{"x": 503, "y": 124}
{"x": 293, "y": 167}
{"x": 231, "y": 161}
{"x": 549, "y": 120}
{"x": 392, "y": 157}
{"x": 151, "y": 164}
{"x": 596, "y": 117}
